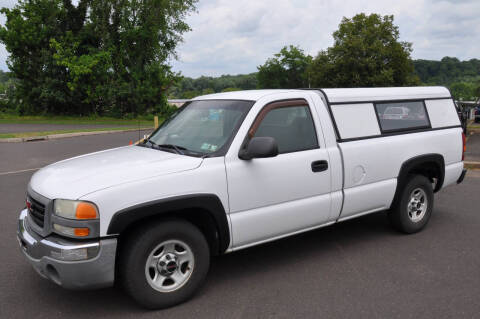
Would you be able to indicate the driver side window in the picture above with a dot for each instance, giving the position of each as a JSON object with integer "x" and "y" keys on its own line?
{"x": 291, "y": 126}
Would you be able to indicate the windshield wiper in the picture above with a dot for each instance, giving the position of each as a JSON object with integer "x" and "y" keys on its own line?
{"x": 155, "y": 145}
{"x": 149, "y": 141}
{"x": 177, "y": 148}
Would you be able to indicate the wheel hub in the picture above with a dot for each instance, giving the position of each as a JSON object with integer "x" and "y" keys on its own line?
{"x": 167, "y": 264}
{"x": 417, "y": 205}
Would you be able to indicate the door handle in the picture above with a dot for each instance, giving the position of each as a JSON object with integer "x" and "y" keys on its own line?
{"x": 319, "y": 166}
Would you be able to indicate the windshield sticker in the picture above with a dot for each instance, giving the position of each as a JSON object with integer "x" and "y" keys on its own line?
{"x": 209, "y": 147}
{"x": 205, "y": 147}
{"x": 214, "y": 115}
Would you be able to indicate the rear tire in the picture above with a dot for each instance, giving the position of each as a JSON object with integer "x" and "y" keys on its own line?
{"x": 413, "y": 206}
{"x": 164, "y": 264}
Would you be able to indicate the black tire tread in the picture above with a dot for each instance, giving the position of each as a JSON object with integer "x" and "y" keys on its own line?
{"x": 397, "y": 213}
{"x": 136, "y": 245}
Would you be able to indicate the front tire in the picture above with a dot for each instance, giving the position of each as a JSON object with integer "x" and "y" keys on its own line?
{"x": 164, "y": 264}
{"x": 413, "y": 207}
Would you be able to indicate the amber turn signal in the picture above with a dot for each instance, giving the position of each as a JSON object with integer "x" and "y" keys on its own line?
{"x": 86, "y": 211}
{"x": 70, "y": 231}
{"x": 81, "y": 232}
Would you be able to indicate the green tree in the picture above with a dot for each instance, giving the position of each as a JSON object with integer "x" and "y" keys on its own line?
{"x": 476, "y": 93}
{"x": 231, "y": 89}
{"x": 366, "y": 53}
{"x": 208, "y": 91}
{"x": 96, "y": 56}
{"x": 447, "y": 71}
{"x": 286, "y": 70}
{"x": 190, "y": 94}
{"x": 26, "y": 35}
{"x": 463, "y": 91}
{"x": 185, "y": 87}
{"x": 7, "y": 87}
{"x": 4, "y": 77}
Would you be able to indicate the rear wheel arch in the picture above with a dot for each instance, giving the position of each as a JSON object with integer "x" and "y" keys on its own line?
{"x": 205, "y": 211}
{"x": 431, "y": 166}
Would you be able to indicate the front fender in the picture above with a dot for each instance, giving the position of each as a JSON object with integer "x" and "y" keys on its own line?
{"x": 124, "y": 218}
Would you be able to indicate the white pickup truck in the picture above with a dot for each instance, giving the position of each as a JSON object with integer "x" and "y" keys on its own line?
{"x": 232, "y": 170}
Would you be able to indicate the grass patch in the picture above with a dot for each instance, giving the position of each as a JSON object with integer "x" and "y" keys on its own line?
{"x": 34, "y": 134}
{"x": 473, "y": 128}
{"x": 91, "y": 120}
{"x": 471, "y": 166}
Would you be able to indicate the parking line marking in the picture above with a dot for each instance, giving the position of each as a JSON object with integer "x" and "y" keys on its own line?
{"x": 20, "y": 171}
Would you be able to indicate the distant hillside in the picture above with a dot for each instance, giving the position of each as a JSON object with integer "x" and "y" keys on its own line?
{"x": 447, "y": 71}
{"x": 189, "y": 88}
{"x": 460, "y": 76}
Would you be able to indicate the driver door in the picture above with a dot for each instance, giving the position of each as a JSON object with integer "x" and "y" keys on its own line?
{"x": 278, "y": 196}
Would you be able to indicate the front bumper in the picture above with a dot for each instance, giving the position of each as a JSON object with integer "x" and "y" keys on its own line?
{"x": 69, "y": 263}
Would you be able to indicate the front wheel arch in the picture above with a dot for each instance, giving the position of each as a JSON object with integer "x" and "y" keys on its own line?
{"x": 136, "y": 274}
{"x": 205, "y": 211}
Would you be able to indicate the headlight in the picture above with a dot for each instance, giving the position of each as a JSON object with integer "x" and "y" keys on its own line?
{"x": 73, "y": 209}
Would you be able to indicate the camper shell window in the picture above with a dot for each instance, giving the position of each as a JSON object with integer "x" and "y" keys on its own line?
{"x": 402, "y": 116}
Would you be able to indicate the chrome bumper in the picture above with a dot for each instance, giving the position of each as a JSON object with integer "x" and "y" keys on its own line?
{"x": 70, "y": 264}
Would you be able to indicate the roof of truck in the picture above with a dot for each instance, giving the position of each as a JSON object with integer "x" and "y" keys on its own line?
{"x": 344, "y": 95}
{"x": 249, "y": 95}
{"x": 381, "y": 94}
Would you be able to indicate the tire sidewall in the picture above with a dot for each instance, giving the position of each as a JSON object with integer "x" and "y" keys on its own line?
{"x": 135, "y": 258}
{"x": 406, "y": 224}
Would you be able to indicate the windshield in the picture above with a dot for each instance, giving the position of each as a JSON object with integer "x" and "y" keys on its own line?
{"x": 202, "y": 127}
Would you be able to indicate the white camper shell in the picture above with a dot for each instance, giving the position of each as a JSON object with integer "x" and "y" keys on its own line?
{"x": 351, "y": 106}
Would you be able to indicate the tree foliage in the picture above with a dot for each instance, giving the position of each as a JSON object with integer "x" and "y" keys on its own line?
{"x": 93, "y": 57}
{"x": 4, "y": 77}
{"x": 461, "y": 77}
{"x": 188, "y": 88}
{"x": 7, "y": 86}
{"x": 286, "y": 70}
{"x": 465, "y": 91}
{"x": 366, "y": 53}
{"x": 447, "y": 71}
{"x": 111, "y": 57}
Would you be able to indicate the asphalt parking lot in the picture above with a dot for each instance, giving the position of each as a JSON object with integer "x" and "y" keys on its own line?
{"x": 357, "y": 269}
{"x": 22, "y": 128}
{"x": 473, "y": 148}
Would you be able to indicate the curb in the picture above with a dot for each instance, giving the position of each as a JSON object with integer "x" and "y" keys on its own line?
{"x": 471, "y": 165}
{"x": 473, "y": 130}
{"x": 66, "y": 135}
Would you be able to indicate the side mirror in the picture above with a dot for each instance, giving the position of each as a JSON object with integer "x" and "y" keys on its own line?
{"x": 259, "y": 147}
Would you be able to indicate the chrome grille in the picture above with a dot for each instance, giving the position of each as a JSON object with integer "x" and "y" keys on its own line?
{"x": 36, "y": 210}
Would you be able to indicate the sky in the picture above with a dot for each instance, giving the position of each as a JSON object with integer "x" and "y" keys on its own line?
{"x": 234, "y": 37}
